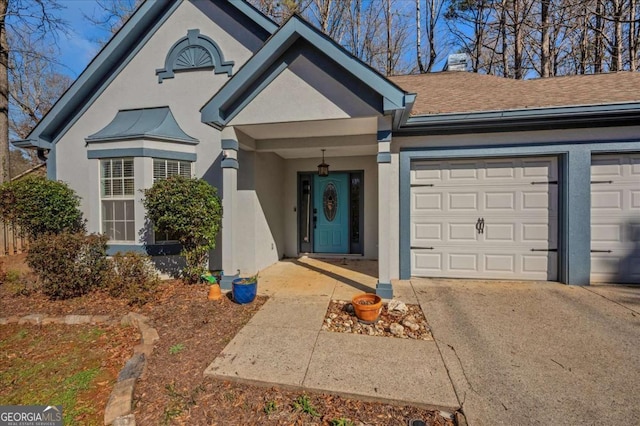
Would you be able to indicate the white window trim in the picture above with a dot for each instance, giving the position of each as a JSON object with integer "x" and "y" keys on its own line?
{"x": 123, "y": 197}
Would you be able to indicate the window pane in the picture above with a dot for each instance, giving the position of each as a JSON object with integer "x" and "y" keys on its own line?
{"x": 185, "y": 169}
{"x": 106, "y": 168}
{"x": 107, "y": 191}
{"x": 119, "y": 210}
{"x": 118, "y": 187}
{"x": 108, "y": 230}
{"x": 131, "y": 231}
{"x": 128, "y": 187}
{"x": 117, "y": 168}
{"x": 159, "y": 169}
{"x": 172, "y": 168}
{"x": 128, "y": 167}
{"x": 129, "y": 212}
{"x": 107, "y": 210}
{"x": 119, "y": 231}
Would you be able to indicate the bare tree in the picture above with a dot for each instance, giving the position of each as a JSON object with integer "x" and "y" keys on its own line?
{"x": 433, "y": 13}
{"x": 111, "y": 15}
{"x": 40, "y": 18}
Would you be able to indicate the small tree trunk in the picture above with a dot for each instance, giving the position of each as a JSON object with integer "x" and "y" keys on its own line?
{"x": 633, "y": 47}
{"x": 418, "y": 43}
{"x": 4, "y": 95}
{"x": 545, "y": 44}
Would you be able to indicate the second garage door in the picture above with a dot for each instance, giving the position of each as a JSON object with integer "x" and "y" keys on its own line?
{"x": 494, "y": 218}
{"x": 615, "y": 218}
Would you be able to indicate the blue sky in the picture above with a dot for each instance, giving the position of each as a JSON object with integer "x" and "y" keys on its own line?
{"x": 79, "y": 46}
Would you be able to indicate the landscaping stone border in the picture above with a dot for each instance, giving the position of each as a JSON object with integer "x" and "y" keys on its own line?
{"x": 120, "y": 404}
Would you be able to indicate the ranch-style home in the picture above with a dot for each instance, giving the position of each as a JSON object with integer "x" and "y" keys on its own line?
{"x": 450, "y": 174}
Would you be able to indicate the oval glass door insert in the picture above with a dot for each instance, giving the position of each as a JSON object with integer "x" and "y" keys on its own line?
{"x": 330, "y": 202}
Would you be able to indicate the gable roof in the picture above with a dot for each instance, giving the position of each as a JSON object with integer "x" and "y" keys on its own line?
{"x": 153, "y": 123}
{"x": 243, "y": 87}
{"x": 455, "y": 91}
{"x": 108, "y": 63}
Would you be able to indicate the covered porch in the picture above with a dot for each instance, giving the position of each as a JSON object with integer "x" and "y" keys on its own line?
{"x": 276, "y": 204}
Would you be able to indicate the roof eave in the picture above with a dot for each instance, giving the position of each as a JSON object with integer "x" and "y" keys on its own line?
{"x": 526, "y": 119}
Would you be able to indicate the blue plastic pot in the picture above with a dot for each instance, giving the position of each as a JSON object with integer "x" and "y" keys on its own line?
{"x": 243, "y": 293}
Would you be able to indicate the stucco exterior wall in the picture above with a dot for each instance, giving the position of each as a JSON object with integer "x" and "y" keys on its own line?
{"x": 137, "y": 86}
{"x": 367, "y": 164}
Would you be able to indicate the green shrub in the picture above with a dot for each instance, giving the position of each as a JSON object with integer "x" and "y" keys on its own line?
{"x": 41, "y": 206}
{"x": 134, "y": 278}
{"x": 70, "y": 264}
{"x": 191, "y": 210}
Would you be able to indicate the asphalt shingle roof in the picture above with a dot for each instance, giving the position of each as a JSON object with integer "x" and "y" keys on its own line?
{"x": 455, "y": 91}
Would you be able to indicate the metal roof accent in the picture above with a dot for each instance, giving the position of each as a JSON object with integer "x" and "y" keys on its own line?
{"x": 146, "y": 123}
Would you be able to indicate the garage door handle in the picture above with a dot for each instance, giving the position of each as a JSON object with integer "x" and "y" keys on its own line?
{"x": 601, "y": 181}
{"x": 480, "y": 225}
{"x": 421, "y": 248}
{"x": 601, "y": 251}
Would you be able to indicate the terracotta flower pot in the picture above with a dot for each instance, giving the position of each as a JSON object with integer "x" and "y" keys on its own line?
{"x": 367, "y": 306}
{"x": 214, "y": 292}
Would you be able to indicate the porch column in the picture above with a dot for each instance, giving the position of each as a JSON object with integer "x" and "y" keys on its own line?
{"x": 384, "y": 288}
{"x": 229, "y": 202}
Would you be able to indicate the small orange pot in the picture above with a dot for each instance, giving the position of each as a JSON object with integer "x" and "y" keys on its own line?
{"x": 370, "y": 311}
{"x": 214, "y": 292}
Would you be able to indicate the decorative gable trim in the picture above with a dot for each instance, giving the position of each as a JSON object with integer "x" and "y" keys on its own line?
{"x": 193, "y": 52}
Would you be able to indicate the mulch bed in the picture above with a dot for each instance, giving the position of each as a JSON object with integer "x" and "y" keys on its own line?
{"x": 193, "y": 331}
{"x": 411, "y": 324}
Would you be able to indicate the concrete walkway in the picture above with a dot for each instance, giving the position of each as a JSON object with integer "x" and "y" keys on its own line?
{"x": 538, "y": 353}
{"x": 513, "y": 353}
{"x": 283, "y": 343}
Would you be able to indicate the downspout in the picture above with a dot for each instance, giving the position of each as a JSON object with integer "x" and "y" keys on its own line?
{"x": 42, "y": 154}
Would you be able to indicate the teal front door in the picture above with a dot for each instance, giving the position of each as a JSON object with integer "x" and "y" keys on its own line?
{"x": 331, "y": 213}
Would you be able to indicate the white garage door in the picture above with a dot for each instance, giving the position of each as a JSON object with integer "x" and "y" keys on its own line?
{"x": 494, "y": 218}
{"x": 615, "y": 218}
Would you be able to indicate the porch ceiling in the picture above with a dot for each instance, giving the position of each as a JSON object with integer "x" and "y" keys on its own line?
{"x": 304, "y": 139}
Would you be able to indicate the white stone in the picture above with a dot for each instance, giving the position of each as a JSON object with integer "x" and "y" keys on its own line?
{"x": 396, "y": 329}
{"x": 397, "y": 306}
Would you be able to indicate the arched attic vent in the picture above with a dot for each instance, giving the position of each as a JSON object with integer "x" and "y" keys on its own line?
{"x": 195, "y": 51}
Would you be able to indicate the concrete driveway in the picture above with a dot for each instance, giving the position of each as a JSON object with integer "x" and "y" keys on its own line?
{"x": 538, "y": 353}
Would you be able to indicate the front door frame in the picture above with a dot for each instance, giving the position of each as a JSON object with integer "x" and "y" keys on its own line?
{"x": 304, "y": 226}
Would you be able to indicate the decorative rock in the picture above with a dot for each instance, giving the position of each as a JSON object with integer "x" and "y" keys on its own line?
{"x": 133, "y": 368}
{"x": 129, "y": 420}
{"x": 53, "y": 320}
{"x": 397, "y": 306}
{"x": 333, "y": 315}
{"x": 149, "y": 334}
{"x": 77, "y": 319}
{"x": 99, "y": 319}
{"x": 134, "y": 319}
{"x": 147, "y": 350}
{"x": 120, "y": 401}
{"x": 349, "y": 309}
{"x": 31, "y": 319}
{"x": 396, "y": 329}
{"x": 328, "y": 321}
{"x": 410, "y": 325}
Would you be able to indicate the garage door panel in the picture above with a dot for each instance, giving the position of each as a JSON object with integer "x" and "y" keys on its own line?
{"x": 609, "y": 267}
{"x": 635, "y": 200}
{"x": 517, "y": 199}
{"x": 463, "y": 262}
{"x": 499, "y": 263}
{"x": 615, "y": 218}
{"x": 425, "y": 202}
